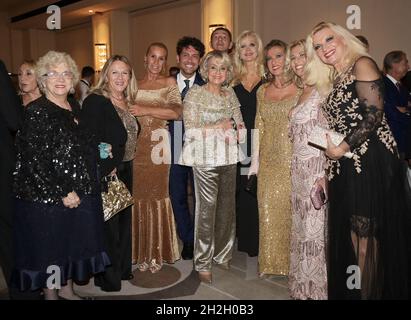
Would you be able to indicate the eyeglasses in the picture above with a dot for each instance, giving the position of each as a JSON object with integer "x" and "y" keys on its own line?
{"x": 214, "y": 68}
{"x": 54, "y": 75}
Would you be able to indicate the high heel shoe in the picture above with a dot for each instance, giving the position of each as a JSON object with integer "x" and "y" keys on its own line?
{"x": 205, "y": 276}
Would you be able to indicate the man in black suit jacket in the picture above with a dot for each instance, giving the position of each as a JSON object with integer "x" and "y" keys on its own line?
{"x": 397, "y": 101}
{"x": 397, "y": 108}
{"x": 406, "y": 81}
{"x": 10, "y": 120}
{"x": 189, "y": 52}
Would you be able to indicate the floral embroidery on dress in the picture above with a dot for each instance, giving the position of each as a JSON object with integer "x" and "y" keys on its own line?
{"x": 347, "y": 114}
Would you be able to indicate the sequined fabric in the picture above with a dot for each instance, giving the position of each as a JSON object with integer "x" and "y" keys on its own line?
{"x": 154, "y": 238}
{"x": 214, "y": 233}
{"x": 54, "y": 155}
{"x": 131, "y": 125}
{"x": 274, "y": 185}
{"x": 202, "y": 108}
{"x": 308, "y": 270}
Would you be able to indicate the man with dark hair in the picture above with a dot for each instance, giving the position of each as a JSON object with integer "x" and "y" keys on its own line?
{"x": 84, "y": 85}
{"x": 397, "y": 101}
{"x": 221, "y": 40}
{"x": 189, "y": 52}
{"x": 364, "y": 41}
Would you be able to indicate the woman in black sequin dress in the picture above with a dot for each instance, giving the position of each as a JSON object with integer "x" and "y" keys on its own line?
{"x": 367, "y": 249}
{"x": 58, "y": 219}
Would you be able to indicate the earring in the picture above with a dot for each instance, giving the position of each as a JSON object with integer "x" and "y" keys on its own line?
{"x": 72, "y": 91}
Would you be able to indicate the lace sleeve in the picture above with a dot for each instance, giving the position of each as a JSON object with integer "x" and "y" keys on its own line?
{"x": 371, "y": 101}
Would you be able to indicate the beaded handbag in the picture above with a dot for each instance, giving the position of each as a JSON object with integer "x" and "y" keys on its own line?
{"x": 117, "y": 197}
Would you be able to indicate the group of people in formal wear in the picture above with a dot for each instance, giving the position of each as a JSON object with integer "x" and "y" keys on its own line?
{"x": 240, "y": 114}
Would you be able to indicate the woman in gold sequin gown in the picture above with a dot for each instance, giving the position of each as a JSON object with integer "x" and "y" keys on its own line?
{"x": 275, "y": 99}
{"x": 154, "y": 238}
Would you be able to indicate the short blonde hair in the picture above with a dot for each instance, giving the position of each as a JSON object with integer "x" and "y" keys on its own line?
{"x": 322, "y": 75}
{"x": 52, "y": 59}
{"x": 102, "y": 86}
{"x": 225, "y": 61}
{"x": 296, "y": 79}
{"x": 239, "y": 68}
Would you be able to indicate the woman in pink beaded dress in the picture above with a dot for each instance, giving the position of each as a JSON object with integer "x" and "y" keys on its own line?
{"x": 308, "y": 275}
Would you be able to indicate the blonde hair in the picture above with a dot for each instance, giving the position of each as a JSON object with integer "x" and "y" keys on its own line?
{"x": 288, "y": 73}
{"x": 52, "y": 59}
{"x": 225, "y": 61}
{"x": 239, "y": 68}
{"x": 31, "y": 64}
{"x": 158, "y": 45}
{"x": 322, "y": 75}
{"x": 102, "y": 87}
{"x": 296, "y": 79}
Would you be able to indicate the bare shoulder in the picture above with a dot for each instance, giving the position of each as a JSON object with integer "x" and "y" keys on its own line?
{"x": 366, "y": 69}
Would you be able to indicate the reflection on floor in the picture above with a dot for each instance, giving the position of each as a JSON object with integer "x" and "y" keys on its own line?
{"x": 179, "y": 282}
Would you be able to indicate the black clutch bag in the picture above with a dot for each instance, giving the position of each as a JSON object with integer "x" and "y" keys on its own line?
{"x": 251, "y": 186}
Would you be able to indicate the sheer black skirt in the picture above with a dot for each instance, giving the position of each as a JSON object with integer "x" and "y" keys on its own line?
{"x": 368, "y": 207}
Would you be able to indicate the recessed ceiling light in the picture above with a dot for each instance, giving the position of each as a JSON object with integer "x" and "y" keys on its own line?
{"x": 90, "y": 11}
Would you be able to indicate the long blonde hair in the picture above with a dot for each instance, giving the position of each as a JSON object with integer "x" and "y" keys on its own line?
{"x": 102, "y": 86}
{"x": 322, "y": 75}
{"x": 239, "y": 68}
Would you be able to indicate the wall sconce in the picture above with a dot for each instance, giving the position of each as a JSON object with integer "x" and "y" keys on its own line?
{"x": 101, "y": 55}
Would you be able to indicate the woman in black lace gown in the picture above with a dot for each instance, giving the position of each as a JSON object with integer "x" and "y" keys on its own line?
{"x": 367, "y": 249}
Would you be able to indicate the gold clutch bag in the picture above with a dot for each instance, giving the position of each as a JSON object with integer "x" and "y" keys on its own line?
{"x": 318, "y": 140}
{"x": 117, "y": 197}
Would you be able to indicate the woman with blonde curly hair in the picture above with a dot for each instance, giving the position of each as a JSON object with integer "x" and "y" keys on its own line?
{"x": 367, "y": 226}
{"x": 58, "y": 217}
{"x": 211, "y": 112}
{"x": 272, "y": 158}
{"x": 248, "y": 60}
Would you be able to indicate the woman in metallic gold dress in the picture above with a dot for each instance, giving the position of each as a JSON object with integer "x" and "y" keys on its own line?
{"x": 272, "y": 162}
{"x": 154, "y": 238}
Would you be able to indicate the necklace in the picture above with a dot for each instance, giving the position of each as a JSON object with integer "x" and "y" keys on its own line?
{"x": 285, "y": 85}
{"x": 118, "y": 99}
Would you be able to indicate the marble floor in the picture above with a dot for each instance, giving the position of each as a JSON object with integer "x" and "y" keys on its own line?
{"x": 179, "y": 282}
